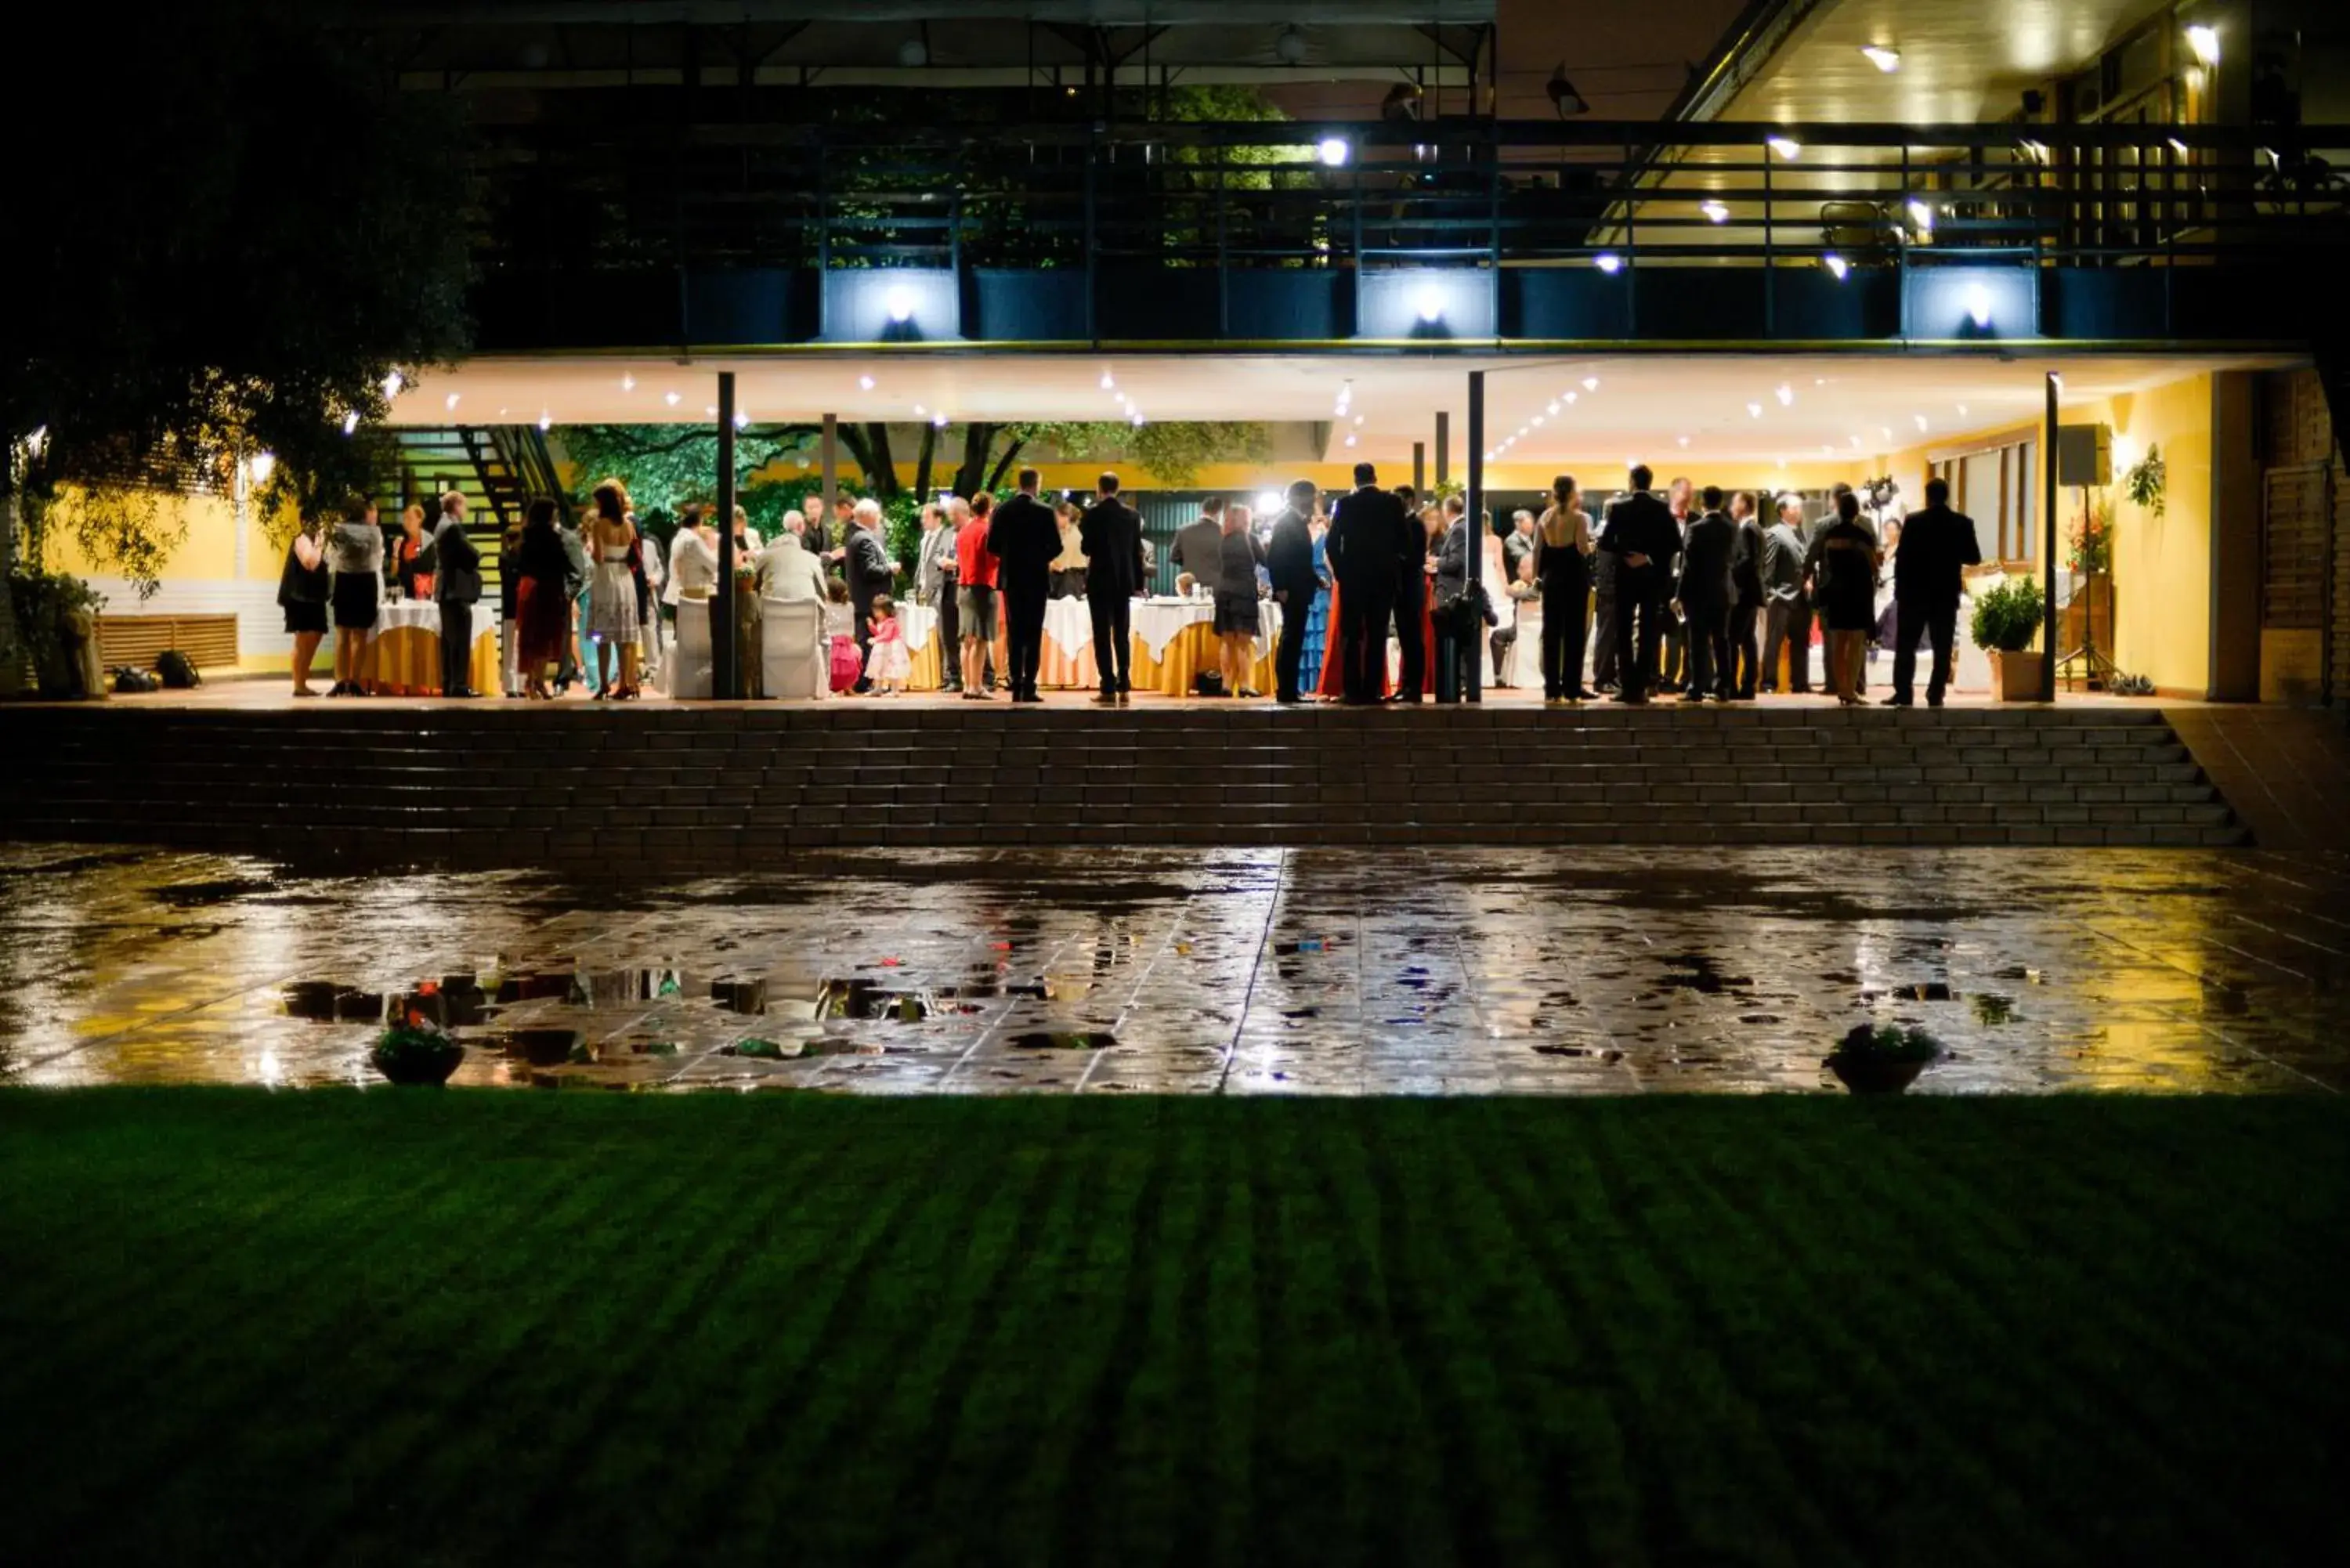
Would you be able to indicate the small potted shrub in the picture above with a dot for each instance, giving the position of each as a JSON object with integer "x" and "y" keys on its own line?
{"x": 2007, "y": 618}
{"x": 413, "y": 1051}
{"x": 1881, "y": 1060}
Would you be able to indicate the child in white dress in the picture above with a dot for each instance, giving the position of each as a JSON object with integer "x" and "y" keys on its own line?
{"x": 887, "y": 664}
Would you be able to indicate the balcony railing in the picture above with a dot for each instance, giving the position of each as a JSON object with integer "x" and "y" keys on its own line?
{"x": 1847, "y": 200}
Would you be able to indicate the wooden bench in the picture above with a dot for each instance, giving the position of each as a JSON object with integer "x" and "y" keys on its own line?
{"x": 137, "y": 640}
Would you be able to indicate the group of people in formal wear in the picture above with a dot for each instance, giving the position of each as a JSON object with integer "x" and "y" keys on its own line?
{"x": 1688, "y": 592}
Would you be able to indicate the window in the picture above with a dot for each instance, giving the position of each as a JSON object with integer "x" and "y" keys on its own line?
{"x": 1997, "y": 486}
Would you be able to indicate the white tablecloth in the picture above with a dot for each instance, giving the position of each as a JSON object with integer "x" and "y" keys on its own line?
{"x": 918, "y": 623}
{"x": 1157, "y": 622}
{"x": 1070, "y": 624}
{"x": 406, "y": 615}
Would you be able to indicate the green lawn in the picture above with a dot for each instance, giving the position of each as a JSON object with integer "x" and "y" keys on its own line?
{"x": 408, "y": 1328}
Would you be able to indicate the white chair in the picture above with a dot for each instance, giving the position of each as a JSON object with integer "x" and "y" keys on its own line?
{"x": 791, "y": 649}
{"x": 688, "y": 664}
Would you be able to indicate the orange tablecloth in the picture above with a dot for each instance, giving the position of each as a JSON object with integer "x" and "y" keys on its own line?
{"x": 1188, "y": 652}
{"x": 405, "y": 652}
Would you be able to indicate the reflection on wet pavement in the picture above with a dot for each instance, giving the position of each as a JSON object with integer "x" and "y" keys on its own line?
{"x": 1153, "y": 971}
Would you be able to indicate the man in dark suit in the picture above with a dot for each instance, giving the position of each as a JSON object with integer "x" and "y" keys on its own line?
{"x": 1411, "y": 575}
{"x": 1639, "y": 533}
{"x": 1746, "y": 602}
{"x": 869, "y": 570}
{"x": 1672, "y": 656}
{"x": 1111, "y": 537}
{"x": 1704, "y": 594}
{"x": 456, "y": 589}
{"x": 1361, "y": 550}
{"x": 1289, "y": 562}
{"x": 1936, "y": 545}
{"x": 1604, "y": 673}
{"x": 1024, "y": 536}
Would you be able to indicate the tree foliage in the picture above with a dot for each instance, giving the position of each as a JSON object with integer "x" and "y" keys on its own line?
{"x": 665, "y": 466}
{"x": 231, "y": 249}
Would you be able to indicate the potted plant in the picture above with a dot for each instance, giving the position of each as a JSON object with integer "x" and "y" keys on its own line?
{"x": 1881, "y": 1060}
{"x": 413, "y": 1051}
{"x": 2007, "y": 618}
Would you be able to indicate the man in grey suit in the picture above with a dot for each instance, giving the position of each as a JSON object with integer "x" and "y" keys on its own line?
{"x": 934, "y": 585}
{"x": 456, "y": 590}
{"x": 1786, "y": 610}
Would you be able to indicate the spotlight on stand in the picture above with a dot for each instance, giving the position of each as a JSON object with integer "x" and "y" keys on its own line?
{"x": 1430, "y": 304}
{"x": 900, "y": 303}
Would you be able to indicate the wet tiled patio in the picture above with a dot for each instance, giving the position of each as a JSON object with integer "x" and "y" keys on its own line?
{"x": 1238, "y": 971}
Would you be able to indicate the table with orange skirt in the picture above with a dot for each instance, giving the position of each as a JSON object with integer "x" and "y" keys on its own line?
{"x": 404, "y": 649}
{"x": 1174, "y": 640}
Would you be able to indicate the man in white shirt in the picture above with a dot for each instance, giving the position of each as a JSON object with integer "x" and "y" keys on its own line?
{"x": 935, "y": 570}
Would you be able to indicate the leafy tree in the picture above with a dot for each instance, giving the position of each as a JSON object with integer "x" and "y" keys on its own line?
{"x": 665, "y": 466}
{"x": 237, "y": 261}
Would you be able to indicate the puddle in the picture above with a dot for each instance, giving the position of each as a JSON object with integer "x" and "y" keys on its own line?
{"x": 539, "y": 1047}
{"x": 1696, "y": 972}
{"x": 1050, "y": 1040}
{"x": 1991, "y": 1008}
{"x": 198, "y": 895}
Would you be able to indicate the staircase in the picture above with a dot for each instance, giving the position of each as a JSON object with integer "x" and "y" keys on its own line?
{"x": 712, "y": 789}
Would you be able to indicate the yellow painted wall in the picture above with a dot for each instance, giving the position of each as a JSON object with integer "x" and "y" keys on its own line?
{"x": 209, "y": 550}
{"x": 2162, "y": 566}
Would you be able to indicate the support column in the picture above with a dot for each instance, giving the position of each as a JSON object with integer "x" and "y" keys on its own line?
{"x": 831, "y": 455}
{"x": 1443, "y": 445}
{"x": 1476, "y": 520}
{"x": 725, "y": 678}
{"x": 1418, "y": 467}
{"x": 2048, "y": 544}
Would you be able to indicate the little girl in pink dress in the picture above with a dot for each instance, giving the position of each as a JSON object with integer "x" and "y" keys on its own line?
{"x": 887, "y": 664}
{"x": 839, "y": 632}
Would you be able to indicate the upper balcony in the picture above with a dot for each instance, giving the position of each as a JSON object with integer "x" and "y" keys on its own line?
{"x": 612, "y": 235}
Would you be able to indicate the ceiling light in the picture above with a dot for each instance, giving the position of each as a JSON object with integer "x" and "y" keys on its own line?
{"x": 900, "y": 303}
{"x": 920, "y": 410}
{"x": 1572, "y": 396}
{"x": 1855, "y": 443}
{"x": 710, "y": 411}
{"x": 864, "y": 384}
{"x": 1138, "y": 425}
{"x": 1608, "y": 262}
{"x": 545, "y": 420}
{"x": 1554, "y": 405}
{"x": 1786, "y": 147}
{"x": 1714, "y": 211}
{"x": 351, "y": 422}
{"x": 670, "y": 398}
{"x": 1350, "y": 440}
{"x": 742, "y": 419}
{"x": 1431, "y": 304}
{"x": 938, "y": 421}
{"x": 1882, "y": 57}
{"x": 1591, "y": 383}
{"x": 1109, "y": 382}
{"x": 391, "y": 385}
{"x": 1785, "y": 394}
{"x": 1754, "y": 411}
{"x": 628, "y": 383}
{"x": 1962, "y": 411}
{"x": 1332, "y": 151}
{"x": 1836, "y": 264}
{"x": 1683, "y": 439}
{"x": 1489, "y": 457}
{"x": 1522, "y": 429}
{"x": 1921, "y": 423}
{"x": 2204, "y": 43}
{"x": 1538, "y": 420}
{"x": 449, "y": 402}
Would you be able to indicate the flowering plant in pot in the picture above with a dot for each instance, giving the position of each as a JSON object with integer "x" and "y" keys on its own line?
{"x": 1881, "y": 1059}
{"x": 413, "y": 1051}
{"x": 2006, "y": 619}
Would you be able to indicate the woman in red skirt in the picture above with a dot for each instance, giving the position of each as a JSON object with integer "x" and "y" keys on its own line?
{"x": 542, "y": 609}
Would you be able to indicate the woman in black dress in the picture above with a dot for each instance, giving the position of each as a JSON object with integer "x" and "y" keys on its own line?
{"x": 1563, "y": 561}
{"x": 1846, "y": 594}
{"x": 303, "y": 584}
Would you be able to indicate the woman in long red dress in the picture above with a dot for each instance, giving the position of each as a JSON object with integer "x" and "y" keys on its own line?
{"x": 542, "y": 609}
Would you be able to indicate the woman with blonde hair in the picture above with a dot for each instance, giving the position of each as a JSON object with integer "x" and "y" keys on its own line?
{"x": 1239, "y": 553}
{"x": 612, "y": 592}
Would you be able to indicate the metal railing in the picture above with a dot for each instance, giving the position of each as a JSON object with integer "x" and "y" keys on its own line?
{"x": 1474, "y": 194}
